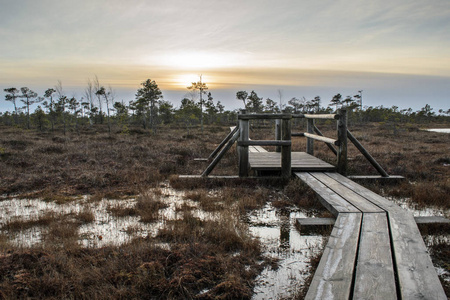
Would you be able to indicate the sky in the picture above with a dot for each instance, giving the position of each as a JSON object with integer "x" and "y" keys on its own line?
{"x": 397, "y": 52}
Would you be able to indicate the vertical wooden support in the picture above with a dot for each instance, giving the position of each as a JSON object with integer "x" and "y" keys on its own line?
{"x": 286, "y": 150}
{"x": 243, "y": 150}
{"x": 342, "y": 138}
{"x": 309, "y": 141}
{"x": 278, "y": 133}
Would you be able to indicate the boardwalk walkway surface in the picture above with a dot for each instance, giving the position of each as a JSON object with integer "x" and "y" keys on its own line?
{"x": 375, "y": 250}
{"x": 300, "y": 161}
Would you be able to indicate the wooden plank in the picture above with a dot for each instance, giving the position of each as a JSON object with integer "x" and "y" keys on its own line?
{"x": 375, "y": 177}
{"x": 315, "y": 221}
{"x": 431, "y": 220}
{"x": 256, "y": 149}
{"x": 375, "y": 269}
{"x": 332, "y": 201}
{"x": 366, "y": 193}
{"x": 355, "y": 199}
{"x": 330, "y": 221}
{"x": 333, "y": 277}
{"x": 300, "y": 161}
{"x": 416, "y": 274}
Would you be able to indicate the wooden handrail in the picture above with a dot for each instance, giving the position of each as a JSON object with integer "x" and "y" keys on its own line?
{"x": 264, "y": 143}
{"x": 264, "y": 116}
{"x": 318, "y": 116}
{"x": 321, "y": 138}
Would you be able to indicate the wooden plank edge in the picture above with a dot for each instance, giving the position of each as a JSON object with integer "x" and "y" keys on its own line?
{"x": 330, "y": 221}
{"x": 375, "y": 177}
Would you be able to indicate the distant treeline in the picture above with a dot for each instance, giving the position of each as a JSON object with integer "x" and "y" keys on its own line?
{"x": 149, "y": 110}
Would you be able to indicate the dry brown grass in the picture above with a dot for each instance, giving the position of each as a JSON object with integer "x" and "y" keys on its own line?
{"x": 94, "y": 163}
{"x": 216, "y": 256}
{"x": 148, "y": 206}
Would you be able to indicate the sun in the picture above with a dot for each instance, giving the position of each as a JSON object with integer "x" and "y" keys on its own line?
{"x": 183, "y": 80}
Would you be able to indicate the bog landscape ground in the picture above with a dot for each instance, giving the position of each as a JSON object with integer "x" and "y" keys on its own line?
{"x": 203, "y": 248}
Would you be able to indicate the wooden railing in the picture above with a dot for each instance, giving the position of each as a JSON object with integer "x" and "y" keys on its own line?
{"x": 340, "y": 142}
{"x": 283, "y": 141}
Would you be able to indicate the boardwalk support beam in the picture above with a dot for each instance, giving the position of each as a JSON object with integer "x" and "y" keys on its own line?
{"x": 366, "y": 154}
{"x": 342, "y": 138}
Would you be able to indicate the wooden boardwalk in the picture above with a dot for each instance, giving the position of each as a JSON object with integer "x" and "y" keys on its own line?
{"x": 375, "y": 250}
{"x": 261, "y": 160}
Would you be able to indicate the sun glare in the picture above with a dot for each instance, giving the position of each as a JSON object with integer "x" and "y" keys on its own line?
{"x": 199, "y": 60}
{"x": 185, "y": 80}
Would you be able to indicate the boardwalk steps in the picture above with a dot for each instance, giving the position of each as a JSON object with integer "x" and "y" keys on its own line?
{"x": 375, "y": 250}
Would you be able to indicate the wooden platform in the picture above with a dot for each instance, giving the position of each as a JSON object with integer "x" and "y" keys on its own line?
{"x": 300, "y": 161}
{"x": 375, "y": 250}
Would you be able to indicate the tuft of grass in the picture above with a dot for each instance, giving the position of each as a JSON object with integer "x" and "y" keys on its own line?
{"x": 19, "y": 224}
{"x": 147, "y": 207}
{"x": 118, "y": 210}
{"x": 85, "y": 216}
{"x": 206, "y": 201}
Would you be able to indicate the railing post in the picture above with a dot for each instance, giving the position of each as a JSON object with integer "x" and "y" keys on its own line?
{"x": 278, "y": 133}
{"x": 286, "y": 150}
{"x": 309, "y": 141}
{"x": 342, "y": 138}
{"x": 243, "y": 150}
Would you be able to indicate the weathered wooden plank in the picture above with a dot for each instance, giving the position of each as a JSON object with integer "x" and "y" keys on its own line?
{"x": 416, "y": 275}
{"x": 315, "y": 221}
{"x": 332, "y": 201}
{"x": 256, "y": 149}
{"x": 375, "y": 269}
{"x": 376, "y": 177}
{"x": 333, "y": 277}
{"x": 431, "y": 220}
{"x": 330, "y": 221}
{"x": 366, "y": 193}
{"x": 355, "y": 199}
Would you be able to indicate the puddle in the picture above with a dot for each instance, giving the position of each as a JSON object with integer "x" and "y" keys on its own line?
{"x": 274, "y": 227}
{"x": 420, "y": 212}
{"x": 443, "y": 130}
{"x": 282, "y": 241}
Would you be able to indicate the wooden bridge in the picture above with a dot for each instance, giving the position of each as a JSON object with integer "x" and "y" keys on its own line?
{"x": 375, "y": 250}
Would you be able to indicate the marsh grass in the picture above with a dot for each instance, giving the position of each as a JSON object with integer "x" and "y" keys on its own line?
{"x": 204, "y": 258}
{"x": 118, "y": 210}
{"x": 19, "y": 224}
{"x": 148, "y": 206}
